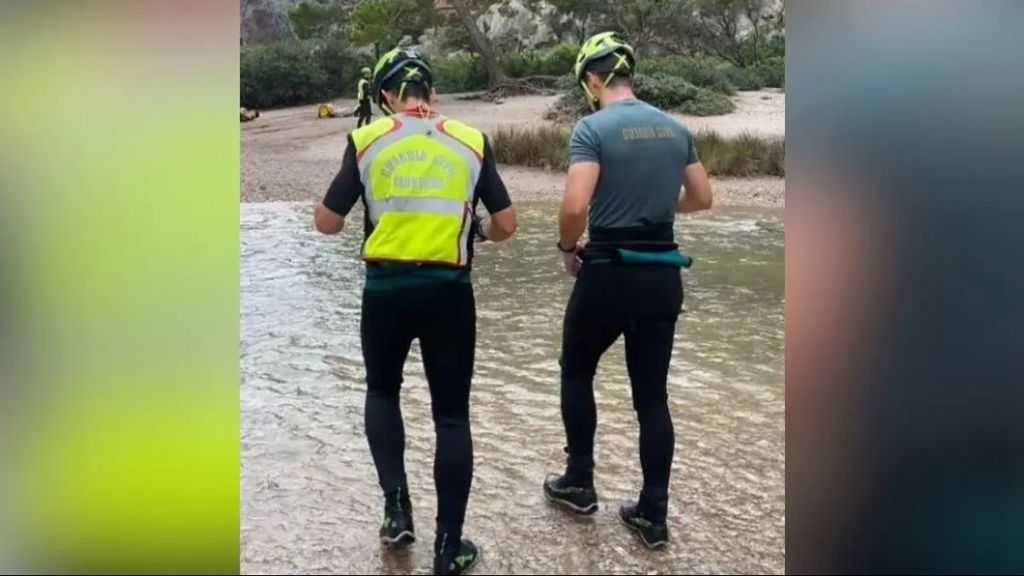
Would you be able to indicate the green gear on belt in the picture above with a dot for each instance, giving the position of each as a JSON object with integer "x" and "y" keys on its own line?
{"x": 404, "y": 63}
{"x": 597, "y": 47}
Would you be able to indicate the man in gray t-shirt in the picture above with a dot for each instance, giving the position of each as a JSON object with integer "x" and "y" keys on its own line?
{"x": 641, "y": 152}
{"x": 628, "y": 163}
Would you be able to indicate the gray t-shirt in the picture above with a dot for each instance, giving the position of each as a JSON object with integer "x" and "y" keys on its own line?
{"x": 642, "y": 152}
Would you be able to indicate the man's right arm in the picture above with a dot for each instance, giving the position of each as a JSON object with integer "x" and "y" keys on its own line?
{"x": 501, "y": 225}
{"x": 345, "y": 190}
{"x": 502, "y": 222}
{"x": 697, "y": 193}
{"x": 697, "y": 187}
{"x": 580, "y": 185}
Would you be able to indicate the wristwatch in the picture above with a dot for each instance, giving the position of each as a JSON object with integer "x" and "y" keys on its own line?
{"x": 563, "y": 250}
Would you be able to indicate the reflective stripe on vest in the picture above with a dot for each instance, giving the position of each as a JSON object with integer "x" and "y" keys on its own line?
{"x": 363, "y": 85}
{"x": 420, "y": 175}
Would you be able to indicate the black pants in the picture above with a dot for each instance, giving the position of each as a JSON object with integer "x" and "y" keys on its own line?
{"x": 364, "y": 113}
{"x": 641, "y": 303}
{"x": 443, "y": 317}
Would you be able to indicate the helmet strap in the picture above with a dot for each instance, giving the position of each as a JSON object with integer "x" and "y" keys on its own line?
{"x": 422, "y": 107}
{"x": 384, "y": 105}
{"x": 591, "y": 99}
{"x": 621, "y": 63}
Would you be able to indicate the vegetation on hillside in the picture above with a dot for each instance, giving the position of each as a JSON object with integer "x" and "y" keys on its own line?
{"x": 668, "y": 92}
{"x": 713, "y": 46}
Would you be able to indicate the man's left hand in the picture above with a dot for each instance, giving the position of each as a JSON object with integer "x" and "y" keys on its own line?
{"x": 572, "y": 261}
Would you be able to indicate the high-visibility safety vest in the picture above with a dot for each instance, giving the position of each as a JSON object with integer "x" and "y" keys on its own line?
{"x": 419, "y": 175}
{"x": 363, "y": 86}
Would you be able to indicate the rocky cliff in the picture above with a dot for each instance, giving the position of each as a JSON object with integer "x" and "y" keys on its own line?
{"x": 264, "y": 21}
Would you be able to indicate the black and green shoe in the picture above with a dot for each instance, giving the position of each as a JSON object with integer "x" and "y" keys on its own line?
{"x": 579, "y": 499}
{"x": 397, "y": 529}
{"x": 457, "y": 560}
{"x": 653, "y": 534}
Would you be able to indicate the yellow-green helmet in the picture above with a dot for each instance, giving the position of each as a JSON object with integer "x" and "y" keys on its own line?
{"x": 404, "y": 65}
{"x": 597, "y": 47}
{"x": 365, "y": 72}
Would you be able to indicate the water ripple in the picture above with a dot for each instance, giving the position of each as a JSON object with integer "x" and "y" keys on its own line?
{"x": 310, "y": 503}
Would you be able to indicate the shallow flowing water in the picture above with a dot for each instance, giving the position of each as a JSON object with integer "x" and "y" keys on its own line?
{"x": 310, "y": 501}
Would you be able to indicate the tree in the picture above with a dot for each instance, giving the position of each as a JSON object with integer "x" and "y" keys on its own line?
{"x": 467, "y": 12}
{"x": 580, "y": 18}
{"x": 736, "y": 30}
{"x": 383, "y": 23}
{"x": 648, "y": 23}
{"x": 317, "y": 19}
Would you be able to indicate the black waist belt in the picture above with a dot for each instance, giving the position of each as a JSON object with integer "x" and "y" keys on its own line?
{"x": 653, "y": 244}
{"x": 627, "y": 257}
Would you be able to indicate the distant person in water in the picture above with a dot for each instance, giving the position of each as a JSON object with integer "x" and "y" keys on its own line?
{"x": 628, "y": 161}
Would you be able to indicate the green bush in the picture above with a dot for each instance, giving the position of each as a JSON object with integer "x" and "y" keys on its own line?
{"x": 743, "y": 78}
{"x": 459, "y": 73}
{"x": 776, "y": 46}
{"x": 707, "y": 103}
{"x": 744, "y": 155}
{"x": 665, "y": 92}
{"x": 558, "y": 60}
{"x": 283, "y": 74}
{"x": 341, "y": 66}
{"x": 539, "y": 147}
{"x": 519, "y": 64}
{"x": 569, "y": 107}
{"x": 553, "y": 61}
{"x": 548, "y": 147}
{"x": 661, "y": 66}
{"x": 773, "y": 71}
{"x": 567, "y": 83}
{"x": 717, "y": 74}
{"x": 704, "y": 72}
{"x": 707, "y": 73}
{"x": 570, "y": 104}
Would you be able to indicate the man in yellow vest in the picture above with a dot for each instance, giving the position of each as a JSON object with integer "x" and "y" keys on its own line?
{"x": 419, "y": 176}
{"x": 363, "y": 96}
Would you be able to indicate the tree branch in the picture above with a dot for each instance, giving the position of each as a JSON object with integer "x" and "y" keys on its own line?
{"x": 481, "y": 43}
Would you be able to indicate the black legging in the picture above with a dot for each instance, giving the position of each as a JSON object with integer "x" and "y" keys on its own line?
{"x": 365, "y": 114}
{"x": 642, "y": 303}
{"x": 443, "y": 317}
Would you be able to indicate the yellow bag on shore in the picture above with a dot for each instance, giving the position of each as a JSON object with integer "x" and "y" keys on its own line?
{"x": 326, "y": 111}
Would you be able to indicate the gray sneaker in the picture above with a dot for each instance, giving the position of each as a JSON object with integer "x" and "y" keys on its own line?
{"x": 653, "y": 534}
{"x": 579, "y": 499}
{"x": 397, "y": 529}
